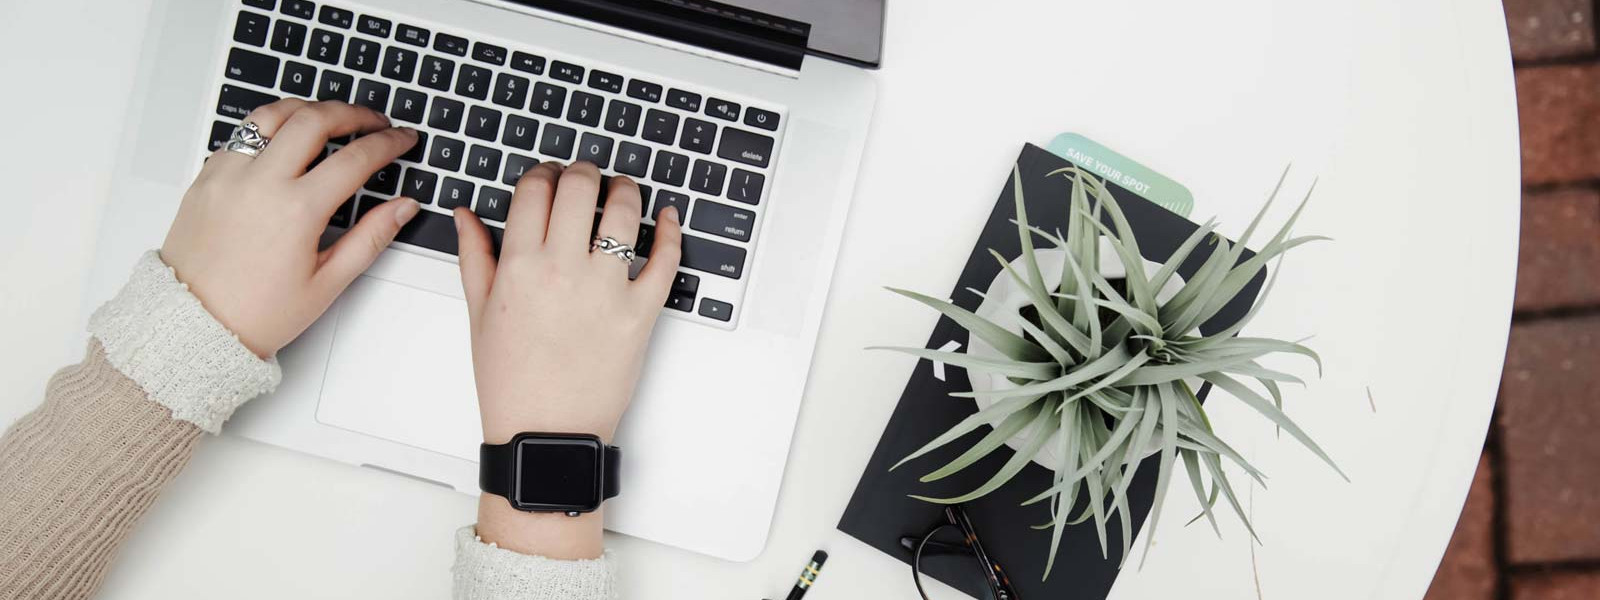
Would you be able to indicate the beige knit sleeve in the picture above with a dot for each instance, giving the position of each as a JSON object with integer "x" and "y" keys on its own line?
{"x": 75, "y": 476}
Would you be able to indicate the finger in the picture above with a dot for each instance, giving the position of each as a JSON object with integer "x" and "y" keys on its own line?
{"x": 268, "y": 118}
{"x": 476, "y": 252}
{"x": 529, "y": 215}
{"x": 620, "y": 220}
{"x": 349, "y": 167}
{"x": 356, "y": 249}
{"x": 308, "y": 130}
{"x": 572, "y": 213}
{"x": 658, "y": 273}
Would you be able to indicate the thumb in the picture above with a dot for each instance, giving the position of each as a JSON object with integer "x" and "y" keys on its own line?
{"x": 349, "y": 257}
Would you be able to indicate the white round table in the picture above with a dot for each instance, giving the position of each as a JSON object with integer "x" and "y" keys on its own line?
{"x": 1406, "y": 112}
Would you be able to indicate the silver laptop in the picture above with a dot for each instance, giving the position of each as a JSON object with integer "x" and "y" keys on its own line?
{"x": 751, "y": 119}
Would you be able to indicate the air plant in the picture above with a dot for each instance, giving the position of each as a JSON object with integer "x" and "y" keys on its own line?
{"x": 1112, "y": 369}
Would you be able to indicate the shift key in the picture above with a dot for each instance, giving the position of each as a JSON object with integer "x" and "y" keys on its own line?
{"x": 723, "y": 220}
{"x": 713, "y": 257}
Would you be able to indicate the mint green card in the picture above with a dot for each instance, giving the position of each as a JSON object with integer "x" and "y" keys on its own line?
{"x": 1121, "y": 170}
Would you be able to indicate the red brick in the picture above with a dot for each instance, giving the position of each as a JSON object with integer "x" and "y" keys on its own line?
{"x": 1556, "y": 586}
{"x": 1559, "y": 261}
{"x": 1559, "y": 108}
{"x": 1550, "y": 28}
{"x": 1468, "y": 569}
{"x": 1549, "y": 413}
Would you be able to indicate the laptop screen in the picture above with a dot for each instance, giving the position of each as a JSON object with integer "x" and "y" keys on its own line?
{"x": 851, "y": 30}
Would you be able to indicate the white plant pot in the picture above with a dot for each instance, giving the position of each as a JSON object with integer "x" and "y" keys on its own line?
{"x": 1002, "y": 301}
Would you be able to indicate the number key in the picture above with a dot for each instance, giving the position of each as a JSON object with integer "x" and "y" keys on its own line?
{"x": 585, "y": 109}
{"x": 325, "y": 46}
{"x": 548, "y": 99}
{"x": 399, "y": 64}
{"x": 474, "y": 82}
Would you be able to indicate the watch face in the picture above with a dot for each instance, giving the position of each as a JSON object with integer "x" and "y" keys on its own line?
{"x": 558, "y": 474}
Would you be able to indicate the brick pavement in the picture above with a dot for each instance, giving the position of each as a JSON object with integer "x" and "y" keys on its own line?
{"x": 1531, "y": 526}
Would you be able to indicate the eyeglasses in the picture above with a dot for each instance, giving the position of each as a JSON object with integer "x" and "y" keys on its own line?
{"x": 951, "y": 551}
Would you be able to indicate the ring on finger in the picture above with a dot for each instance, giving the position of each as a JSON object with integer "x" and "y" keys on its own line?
{"x": 610, "y": 245}
{"x": 247, "y": 140}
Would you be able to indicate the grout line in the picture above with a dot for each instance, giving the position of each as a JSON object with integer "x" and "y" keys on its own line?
{"x": 1586, "y": 565}
{"x": 1568, "y": 312}
{"x": 1571, "y": 60}
{"x": 1500, "y": 521}
{"x": 1561, "y": 186}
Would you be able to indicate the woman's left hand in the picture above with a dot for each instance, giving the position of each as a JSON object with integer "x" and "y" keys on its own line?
{"x": 245, "y": 239}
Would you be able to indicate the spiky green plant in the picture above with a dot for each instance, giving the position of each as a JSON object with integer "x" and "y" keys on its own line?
{"x": 1110, "y": 371}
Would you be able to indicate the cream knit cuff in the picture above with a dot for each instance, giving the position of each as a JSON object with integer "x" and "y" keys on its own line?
{"x": 157, "y": 334}
{"x": 488, "y": 572}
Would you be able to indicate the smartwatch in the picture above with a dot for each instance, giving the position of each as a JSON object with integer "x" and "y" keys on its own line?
{"x": 568, "y": 473}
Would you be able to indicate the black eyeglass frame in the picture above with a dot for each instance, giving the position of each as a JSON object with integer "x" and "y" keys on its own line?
{"x": 956, "y": 518}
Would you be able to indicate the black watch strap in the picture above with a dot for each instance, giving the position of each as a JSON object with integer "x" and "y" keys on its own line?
{"x": 497, "y": 463}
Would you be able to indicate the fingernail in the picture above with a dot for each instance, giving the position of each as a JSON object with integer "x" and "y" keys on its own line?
{"x": 671, "y": 213}
{"x": 408, "y": 208}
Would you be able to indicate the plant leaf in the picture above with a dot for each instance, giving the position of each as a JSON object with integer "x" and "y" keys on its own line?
{"x": 1037, "y": 371}
{"x": 1009, "y": 344}
{"x": 993, "y": 413}
{"x": 1253, "y": 400}
{"x": 996, "y": 438}
{"x": 1018, "y": 460}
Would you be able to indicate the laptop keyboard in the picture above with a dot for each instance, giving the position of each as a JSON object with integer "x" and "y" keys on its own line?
{"x": 487, "y": 111}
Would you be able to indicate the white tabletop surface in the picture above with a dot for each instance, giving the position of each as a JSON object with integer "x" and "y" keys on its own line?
{"x": 1405, "y": 110}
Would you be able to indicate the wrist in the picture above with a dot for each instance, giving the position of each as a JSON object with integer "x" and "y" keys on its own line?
{"x": 499, "y": 426}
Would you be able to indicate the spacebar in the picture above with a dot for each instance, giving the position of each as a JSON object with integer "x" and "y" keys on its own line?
{"x": 430, "y": 230}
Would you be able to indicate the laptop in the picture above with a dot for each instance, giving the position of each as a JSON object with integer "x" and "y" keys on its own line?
{"x": 749, "y": 117}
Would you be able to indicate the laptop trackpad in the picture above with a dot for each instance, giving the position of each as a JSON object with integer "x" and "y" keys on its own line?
{"x": 401, "y": 369}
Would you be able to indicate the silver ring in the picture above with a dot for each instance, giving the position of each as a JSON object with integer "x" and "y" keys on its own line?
{"x": 247, "y": 140}
{"x": 610, "y": 245}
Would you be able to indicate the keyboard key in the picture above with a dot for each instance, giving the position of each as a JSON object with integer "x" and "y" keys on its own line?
{"x": 519, "y": 132}
{"x": 548, "y": 99}
{"x": 399, "y": 64}
{"x": 746, "y": 147}
{"x": 455, "y": 192}
{"x": 665, "y": 198}
{"x": 373, "y": 95}
{"x": 288, "y": 37}
{"x": 298, "y": 79}
{"x": 720, "y": 219}
{"x": 511, "y": 90}
{"x": 516, "y": 165}
{"x": 494, "y": 204}
{"x": 670, "y": 168}
{"x": 221, "y": 132}
{"x": 595, "y": 149}
{"x": 566, "y": 71}
{"x": 689, "y": 101}
{"x": 746, "y": 186}
{"x": 474, "y": 82}
{"x": 416, "y": 152}
{"x": 686, "y": 283}
{"x": 446, "y": 153}
{"x": 698, "y": 135}
{"x": 446, "y": 114}
{"x": 418, "y": 185}
{"x": 450, "y": 44}
{"x": 647, "y": 237}
{"x": 341, "y": 216}
{"x": 251, "y": 28}
{"x": 375, "y": 26}
{"x": 707, "y": 177}
{"x": 336, "y": 17}
{"x": 716, "y": 309}
{"x": 605, "y": 82}
{"x": 632, "y": 159}
{"x": 623, "y": 117}
{"x": 558, "y": 141}
{"x": 680, "y": 301}
{"x": 437, "y": 72}
{"x": 325, "y": 46}
{"x": 335, "y": 86}
{"x": 252, "y": 67}
{"x": 585, "y": 109}
{"x": 764, "y": 119}
{"x": 489, "y": 53}
{"x": 644, "y": 193}
{"x": 660, "y": 126}
{"x": 299, "y": 8}
{"x": 527, "y": 63}
{"x": 363, "y": 55}
{"x": 385, "y": 181}
{"x": 409, "y": 105}
{"x": 261, "y": 4}
{"x": 483, "y": 123}
{"x": 705, "y": 255}
{"x": 367, "y": 203}
{"x": 415, "y": 36}
{"x": 644, "y": 90}
{"x": 483, "y": 162}
{"x": 430, "y": 230}
{"x": 722, "y": 109}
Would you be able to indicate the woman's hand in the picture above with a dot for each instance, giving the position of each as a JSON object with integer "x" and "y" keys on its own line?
{"x": 245, "y": 239}
{"x": 559, "y": 332}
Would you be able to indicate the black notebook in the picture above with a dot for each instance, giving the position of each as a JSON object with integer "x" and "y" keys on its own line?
{"x": 880, "y": 511}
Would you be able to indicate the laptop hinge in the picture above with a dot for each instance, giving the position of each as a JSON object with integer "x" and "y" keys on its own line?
{"x": 706, "y": 28}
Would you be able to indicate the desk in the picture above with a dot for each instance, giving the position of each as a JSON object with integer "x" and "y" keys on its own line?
{"x": 1405, "y": 110}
